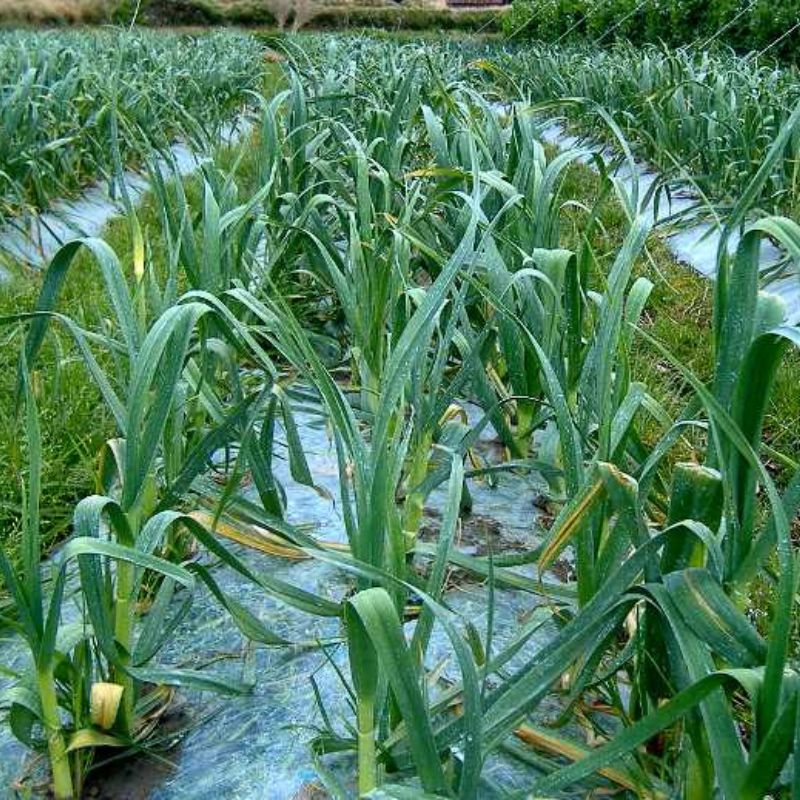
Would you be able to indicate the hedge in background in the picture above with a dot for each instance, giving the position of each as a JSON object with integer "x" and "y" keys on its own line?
{"x": 740, "y": 24}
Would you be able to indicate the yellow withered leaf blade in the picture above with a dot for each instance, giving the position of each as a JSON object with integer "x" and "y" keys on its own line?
{"x": 555, "y": 745}
{"x": 258, "y": 538}
{"x": 251, "y": 536}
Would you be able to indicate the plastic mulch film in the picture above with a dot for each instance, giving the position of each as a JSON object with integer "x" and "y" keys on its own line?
{"x": 34, "y": 239}
{"x": 256, "y": 745}
{"x": 692, "y": 239}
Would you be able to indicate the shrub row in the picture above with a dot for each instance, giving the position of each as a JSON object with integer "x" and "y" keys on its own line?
{"x": 742, "y": 24}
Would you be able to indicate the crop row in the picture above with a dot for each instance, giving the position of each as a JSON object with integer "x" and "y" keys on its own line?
{"x": 72, "y": 103}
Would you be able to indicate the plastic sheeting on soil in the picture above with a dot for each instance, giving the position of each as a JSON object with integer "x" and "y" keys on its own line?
{"x": 691, "y": 238}
{"x": 34, "y": 239}
{"x": 256, "y": 746}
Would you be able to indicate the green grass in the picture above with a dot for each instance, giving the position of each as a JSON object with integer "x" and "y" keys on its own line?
{"x": 74, "y": 421}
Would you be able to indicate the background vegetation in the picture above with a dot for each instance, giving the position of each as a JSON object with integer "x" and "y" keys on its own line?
{"x": 332, "y": 14}
{"x": 73, "y": 107}
{"x": 745, "y": 25}
{"x": 57, "y": 11}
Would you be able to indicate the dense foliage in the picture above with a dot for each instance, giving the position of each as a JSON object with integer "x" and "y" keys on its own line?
{"x": 745, "y": 25}
{"x": 708, "y": 119}
{"x": 72, "y": 104}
